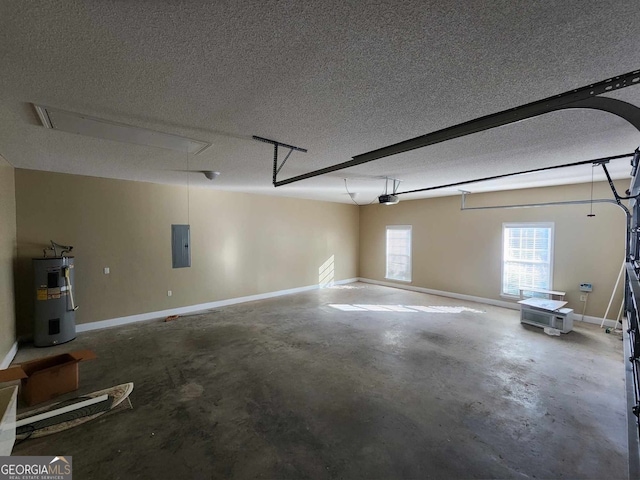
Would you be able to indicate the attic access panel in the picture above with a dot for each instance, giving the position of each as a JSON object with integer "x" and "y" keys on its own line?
{"x": 180, "y": 246}
{"x": 119, "y": 132}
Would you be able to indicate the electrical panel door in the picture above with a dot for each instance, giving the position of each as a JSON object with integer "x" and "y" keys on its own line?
{"x": 180, "y": 246}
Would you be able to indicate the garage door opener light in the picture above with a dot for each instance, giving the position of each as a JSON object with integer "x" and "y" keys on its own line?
{"x": 387, "y": 198}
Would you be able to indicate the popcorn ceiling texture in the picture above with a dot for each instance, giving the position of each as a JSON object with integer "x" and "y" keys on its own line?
{"x": 339, "y": 78}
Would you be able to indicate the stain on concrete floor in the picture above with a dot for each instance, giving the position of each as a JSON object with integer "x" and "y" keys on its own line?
{"x": 292, "y": 388}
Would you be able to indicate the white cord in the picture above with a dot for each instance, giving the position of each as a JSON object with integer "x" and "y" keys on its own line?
{"x": 188, "y": 196}
{"x": 584, "y": 308}
{"x": 351, "y": 196}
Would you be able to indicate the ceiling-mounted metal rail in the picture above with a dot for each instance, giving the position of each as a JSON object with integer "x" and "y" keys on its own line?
{"x": 276, "y": 144}
{"x": 578, "y": 98}
{"x": 616, "y": 200}
{"x": 533, "y": 170}
{"x": 463, "y": 205}
{"x": 566, "y": 202}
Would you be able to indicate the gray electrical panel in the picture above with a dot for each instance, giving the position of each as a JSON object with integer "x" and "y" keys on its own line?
{"x": 54, "y": 316}
{"x": 180, "y": 249}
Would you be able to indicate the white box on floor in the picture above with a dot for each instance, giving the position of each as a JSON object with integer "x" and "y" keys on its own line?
{"x": 542, "y": 312}
{"x": 8, "y": 403}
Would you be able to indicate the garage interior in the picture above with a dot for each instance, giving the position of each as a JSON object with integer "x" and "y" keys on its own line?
{"x": 316, "y": 331}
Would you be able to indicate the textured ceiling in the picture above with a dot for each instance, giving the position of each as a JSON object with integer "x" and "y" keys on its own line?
{"x": 339, "y": 78}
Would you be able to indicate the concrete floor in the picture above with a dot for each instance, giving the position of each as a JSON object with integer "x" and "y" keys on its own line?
{"x": 294, "y": 388}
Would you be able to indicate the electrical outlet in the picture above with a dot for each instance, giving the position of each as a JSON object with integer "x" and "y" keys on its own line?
{"x": 106, "y": 270}
{"x": 583, "y": 298}
{"x": 169, "y": 293}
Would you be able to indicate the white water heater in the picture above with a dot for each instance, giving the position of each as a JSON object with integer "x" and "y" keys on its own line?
{"x": 55, "y": 310}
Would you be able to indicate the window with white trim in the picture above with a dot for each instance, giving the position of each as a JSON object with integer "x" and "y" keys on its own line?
{"x": 527, "y": 257}
{"x": 399, "y": 252}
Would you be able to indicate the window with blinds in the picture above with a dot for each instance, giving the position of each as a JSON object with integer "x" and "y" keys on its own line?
{"x": 527, "y": 256}
{"x": 399, "y": 252}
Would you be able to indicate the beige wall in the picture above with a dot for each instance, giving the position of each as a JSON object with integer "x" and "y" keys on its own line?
{"x": 245, "y": 244}
{"x": 460, "y": 251}
{"x": 7, "y": 257}
{"x": 242, "y": 244}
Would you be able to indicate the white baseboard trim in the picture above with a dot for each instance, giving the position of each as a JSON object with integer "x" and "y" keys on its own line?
{"x": 577, "y": 317}
{"x": 459, "y": 296}
{"x": 8, "y": 358}
{"x": 114, "y": 322}
{"x": 487, "y": 301}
